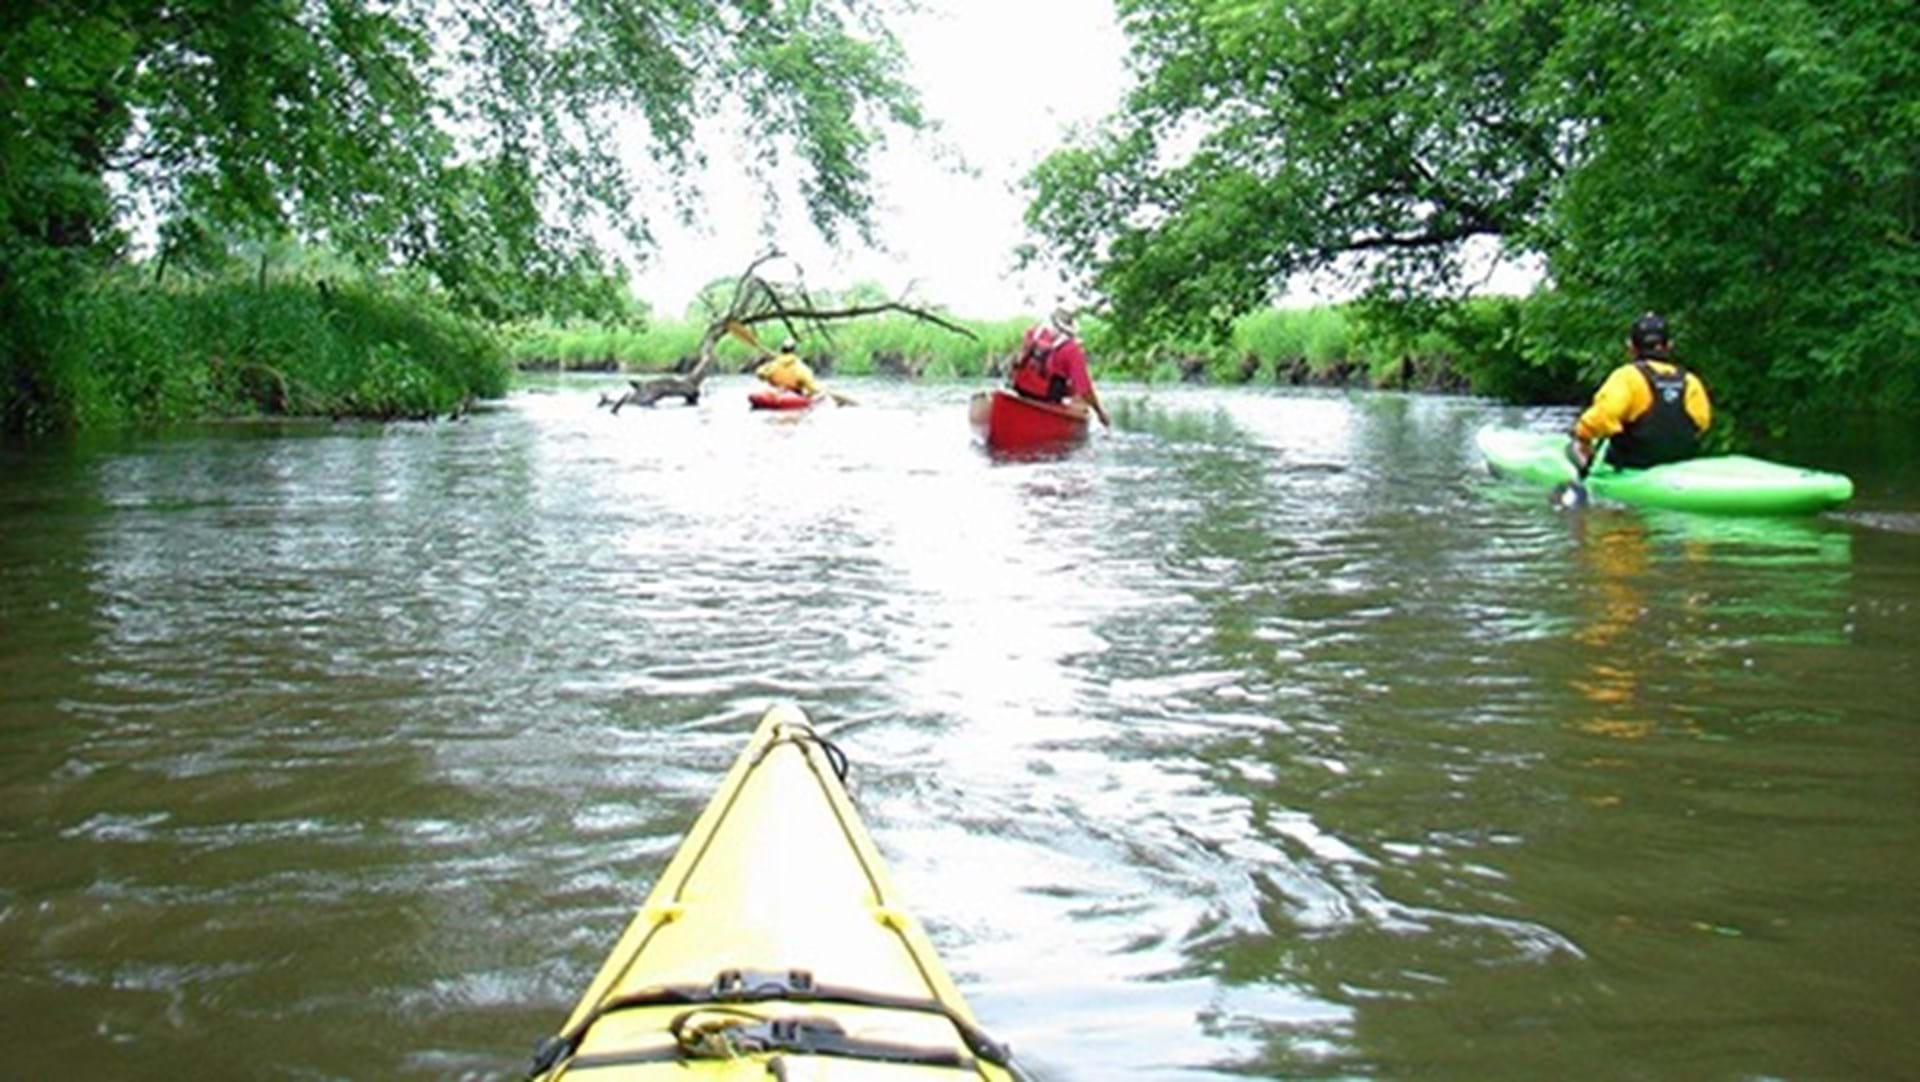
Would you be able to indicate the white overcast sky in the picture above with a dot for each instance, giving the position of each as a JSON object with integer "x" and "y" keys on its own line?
{"x": 1004, "y": 79}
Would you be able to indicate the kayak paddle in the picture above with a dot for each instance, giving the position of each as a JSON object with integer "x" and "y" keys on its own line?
{"x": 1572, "y": 495}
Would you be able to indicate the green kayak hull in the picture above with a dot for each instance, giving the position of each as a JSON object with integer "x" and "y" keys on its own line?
{"x": 1721, "y": 484}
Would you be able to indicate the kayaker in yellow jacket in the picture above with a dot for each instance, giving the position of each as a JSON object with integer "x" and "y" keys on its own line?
{"x": 1650, "y": 410}
{"x": 788, "y": 372}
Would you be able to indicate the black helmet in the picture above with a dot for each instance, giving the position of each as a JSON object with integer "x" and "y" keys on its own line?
{"x": 1649, "y": 335}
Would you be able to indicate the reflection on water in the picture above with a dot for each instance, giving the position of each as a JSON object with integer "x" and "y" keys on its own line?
{"x": 1260, "y": 736}
{"x": 1730, "y": 583}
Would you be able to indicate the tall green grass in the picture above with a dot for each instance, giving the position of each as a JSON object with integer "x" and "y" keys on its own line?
{"x": 586, "y": 346}
{"x": 895, "y": 344}
{"x": 1319, "y": 336}
{"x": 1473, "y": 346}
{"x": 128, "y": 351}
{"x": 902, "y": 345}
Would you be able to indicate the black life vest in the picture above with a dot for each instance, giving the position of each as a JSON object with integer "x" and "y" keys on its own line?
{"x": 1035, "y": 375}
{"x": 1666, "y": 432}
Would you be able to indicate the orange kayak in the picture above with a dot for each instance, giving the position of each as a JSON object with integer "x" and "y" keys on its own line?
{"x": 779, "y": 400}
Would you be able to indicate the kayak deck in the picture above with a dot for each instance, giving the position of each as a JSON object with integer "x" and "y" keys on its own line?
{"x": 1723, "y": 484}
{"x": 774, "y": 934}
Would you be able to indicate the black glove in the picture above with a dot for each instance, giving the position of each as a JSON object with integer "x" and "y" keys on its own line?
{"x": 1580, "y": 455}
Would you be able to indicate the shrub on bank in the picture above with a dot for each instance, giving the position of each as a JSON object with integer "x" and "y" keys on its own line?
{"x": 131, "y": 352}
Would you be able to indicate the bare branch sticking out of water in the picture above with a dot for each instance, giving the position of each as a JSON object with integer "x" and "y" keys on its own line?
{"x": 757, "y": 300}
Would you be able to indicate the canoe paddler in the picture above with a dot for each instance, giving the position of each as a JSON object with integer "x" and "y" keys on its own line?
{"x": 788, "y": 372}
{"x": 1650, "y": 410}
{"x": 1052, "y": 365}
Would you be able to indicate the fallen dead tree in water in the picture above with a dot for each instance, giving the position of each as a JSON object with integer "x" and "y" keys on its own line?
{"x": 756, "y": 301}
{"x": 647, "y": 392}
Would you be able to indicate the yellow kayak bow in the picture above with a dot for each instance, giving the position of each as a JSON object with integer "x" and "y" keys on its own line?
{"x": 774, "y": 946}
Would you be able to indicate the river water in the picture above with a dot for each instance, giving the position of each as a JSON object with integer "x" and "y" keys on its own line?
{"x": 1264, "y": 736}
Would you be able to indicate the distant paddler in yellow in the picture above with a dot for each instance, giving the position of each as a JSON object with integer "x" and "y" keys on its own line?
{"x": 788, "y": 372}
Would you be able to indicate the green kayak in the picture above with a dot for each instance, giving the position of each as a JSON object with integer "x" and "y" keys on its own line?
{"x": 1726, "y": 484}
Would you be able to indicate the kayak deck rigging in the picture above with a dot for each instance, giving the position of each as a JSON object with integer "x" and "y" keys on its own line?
{"x": 715, "y": 975}
{"x": 733, "y": 987}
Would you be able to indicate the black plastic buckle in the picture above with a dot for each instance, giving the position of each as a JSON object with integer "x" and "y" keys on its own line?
{"x": 750, "y": 984}
{"x": 801, "y": 1036}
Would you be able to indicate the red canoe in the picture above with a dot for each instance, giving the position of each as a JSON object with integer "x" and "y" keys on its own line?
{"x": 1009, "y": 422}
{"x": 778, "y": 400}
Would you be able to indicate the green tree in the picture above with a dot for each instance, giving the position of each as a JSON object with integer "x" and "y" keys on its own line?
{"x": 479, "y": 142}
{"x": 1747, "y": 167}
{"x": 1755, "y": 169}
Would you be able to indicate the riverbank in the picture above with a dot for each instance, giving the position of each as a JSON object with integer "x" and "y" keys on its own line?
{"x": 1324, "y": 346}
{"x": 126, "y": 351}
{"x": 129, "y": 351}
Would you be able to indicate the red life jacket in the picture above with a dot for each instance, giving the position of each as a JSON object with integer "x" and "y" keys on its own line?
{"x": 1036, "y": 374}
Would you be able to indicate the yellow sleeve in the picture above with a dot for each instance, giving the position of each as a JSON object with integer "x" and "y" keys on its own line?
{"x": 802, "y": 376}
{"x": 1699, "y": 406}
{"x": 1621, "y": 398}
{"x": 789, "y": 373}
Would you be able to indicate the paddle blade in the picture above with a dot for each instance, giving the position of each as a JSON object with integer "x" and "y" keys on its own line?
{"x": 1568, "y": 496}
{"x": 744, "y": 333}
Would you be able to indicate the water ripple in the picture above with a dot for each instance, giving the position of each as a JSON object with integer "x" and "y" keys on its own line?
{"x": 1262, "y": 737}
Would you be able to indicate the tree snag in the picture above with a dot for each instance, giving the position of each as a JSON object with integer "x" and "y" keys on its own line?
{"x": 757, "y": 300}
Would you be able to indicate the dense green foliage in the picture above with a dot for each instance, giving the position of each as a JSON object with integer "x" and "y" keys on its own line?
{"x": 136, "y": 352}
{"x": 1747, "y": 168}
{"x": 483, "y": 144}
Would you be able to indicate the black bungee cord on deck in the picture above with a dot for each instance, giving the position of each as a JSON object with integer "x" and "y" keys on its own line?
{"x": 835, "y": 756}
{"x": 733, "y": 987}
{"x": 746, "y": 1033}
